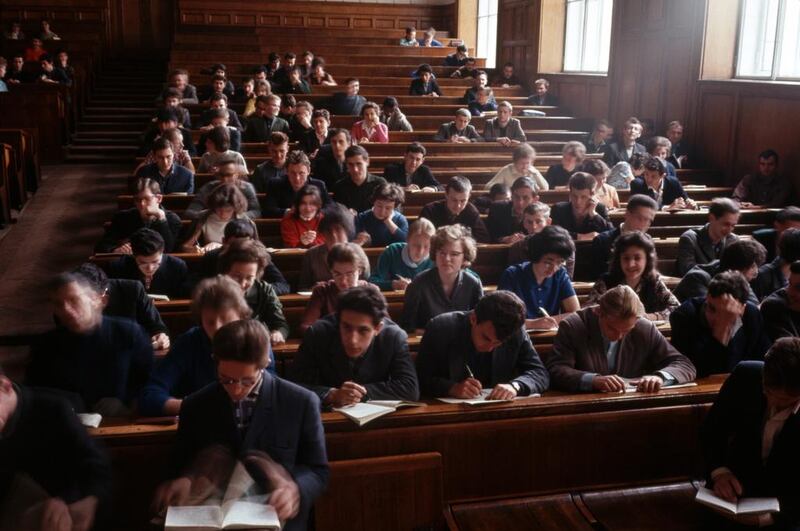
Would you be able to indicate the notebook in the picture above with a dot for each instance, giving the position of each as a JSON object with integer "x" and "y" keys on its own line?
{"x": 632, "y": 388}
{"x": 743, "y": 506}
{"x": 365, "y": 412}
{"x": 481, "y": 400}
{"x": 233, "y": 515}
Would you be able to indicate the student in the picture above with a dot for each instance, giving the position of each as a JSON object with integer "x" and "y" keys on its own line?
{"x": 542, "y": 282}
{"x": 273, "y": 65}
{"x": 288, "y": 104}
{"x": 50, "y": 73}
{"x": 189, "y": 365}
{"x": 786, "y": 218}
{"x": 218, "y": 148}
{"x": 412, "y": 174}
{"x": 280, "y": 78}
{"x": 146, "y": 213}
{"x": 446, "y": 287}
{"x": 401, "y": 262}
{"x": 633, "y": 263}
{"x": 226, "y": 202}
{"x": 300, "y": 223}
{"x": 99, "y": 363}
{"x": 347, "y": 103}
{"x": 424, "y": 85}
{"x": 15, "y": 32}
{"x": 410, "y": 38}
{"x": 606, "y": 193}
{"x": 319, "y": 135}
{"x": 171, "y": 177}
{"x": 237, "y": 229}
{"x": 34, "y": 52}
{"x": 766, "y": 188}
{"x": 506, "y": 77}
{"x": 599, "y": 348}
{"x": 459, "y": 58}
{"x": 466, "y": 71}
{"x": 483, "y": 103}
{"x": 219, "y": 117}
{"x": 265, "y": 120}
{"x": 464, "y": 352}
{"x": 307, "y": 60}
{"x": 743, "y": 255}
{"x": 17, "y": 73}
{"x": 455, "y": 208}
{"x": 775, "y": 274}
{"x": 296, "y": 84}
{"x": 522, "y": 159}
{"x": 505, "y": 217}
{"x": 356, "y": 354}
{"x": 541, "y": 96}
{"x": 336, "y": 227}
{"x": 583, "y": 215}
{"x": 219, "y": 86}
{"x": 623, "y": 173}
{"x": 248, "y": 88}
{"x": 3, "y": 66}
{"x": 721, "y": 329}
{"x": 165, "y": 119}
{"x": 429, "y": 39}
{"x": 623, "y": 149}
{"x": 667, "y": 191}
{"x": 369, "y": 128}
{"x": 220, "y": 101}
{"x": 275, "y": 166}
{"x": 640, "y": 212}
{"x": 244, "y": 261}
{"x": 179, "y": 79}
{"x": 228, "y": 171}
{"x": 347, "y": 263}
{"x": 300, "y": 124}
{"x": 597, "y": 140}
{"x": 393, "y": 117}
{"x": 281, "y": 192}
{"x": 750, "y": 434}
{"x": 459, "y": 130}
{"x": 330, "y": 164}
{"x": 356, "y": 190}
{"x": 781, "y": 310}
{"x": 504, "y": 129}
{"x": 319, "y": 76}
{"x": 704, "y": 245}
{"x": 71, "y": 486}
{"x": 383, "y": 224}
{"x": 160, "y": 274}
{"x": 660, "y": 147}
{"x": 479, "y": 82}
{"x": 171, "y": 100}
{"x": 535, "y": 218}
{"x": 572, "y": 156}
{"x": 239, "y": 416}
{"x": 262, "y": 88}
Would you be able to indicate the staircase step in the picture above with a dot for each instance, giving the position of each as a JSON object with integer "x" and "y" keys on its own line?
{"x": 102, "y": 140}
{"x": 108, "y": 125}
{"x": 105, "y": 149}
{"x": 133, "y": 118}
{"x": 107, "y": 134}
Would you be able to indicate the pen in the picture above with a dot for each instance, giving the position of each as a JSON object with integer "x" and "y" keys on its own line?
{"x": 469, "y": 371}
{"x": 543, "y": 312}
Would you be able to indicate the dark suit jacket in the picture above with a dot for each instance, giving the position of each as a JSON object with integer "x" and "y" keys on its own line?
{"x": 341, "y": 103}
{"x": 396, "y": 173}
{"x": 615, "y": 152}
{"x": 768, "y": 237}
{"x": 672, "y": 189}
{"x": 128, "y": 299}
{"x": 419, "y": 88}
{"x": 501, "y": 221}
{"x": 547, "y": 99}
{"x": 310, "y": 142}
{"x": 601, "y": 251}
{"x": 578, "y": 349}
{"x": 438, "y": 214}
{"x": 235, "y": 144}
{"x": 695, "y": 247}
{"x": 256, "y": 129}
{"x": 731, "y": 437}
{"x": 449, "y": 129}
{"x": 126, "y": 222}
{"x": 326, "y": 168}
{"x": 280, "y": 196}
{"x": 209, "y": 267}
{"x": 233, "y": 120}
{"x": 513, "y": 130}
{"x": 286, "y": 424}
{"x": 695, "y": 282}
{"x": 385, "y": 369}
{"x": 691, "y": 335}
{"x": 443, "y": 356}
{"x": 170, "y": 279}
{"x": 179, "y": 180}
{"x": 561, "y": 214}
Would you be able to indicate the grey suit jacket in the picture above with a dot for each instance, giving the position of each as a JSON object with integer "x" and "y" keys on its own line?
{"x": 695, "y": 247}
{"x": 492, "y": 130}
{"x": 578, "y": 349}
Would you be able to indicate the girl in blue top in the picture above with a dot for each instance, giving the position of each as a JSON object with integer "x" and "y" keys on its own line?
{"x": 382, "y": 224}
{"x": 400, "y": 262}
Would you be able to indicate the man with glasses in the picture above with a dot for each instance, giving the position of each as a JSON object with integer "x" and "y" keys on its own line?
{"x": 464, "y": 352}
{"x": 356, "y": 354}
{"x": 543, "y": 283}
{"x": 271, "y": 424}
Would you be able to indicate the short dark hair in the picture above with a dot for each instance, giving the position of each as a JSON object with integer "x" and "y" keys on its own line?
{"x": 370, "y": 105}
{"x": 321, "y": 113}
{"x": 298, "y": 157}
{"x": 790, "y": 213}
{"x": 340, "y": 131}
{"x": 525, "y": 182}
{"x": 741, "y": 255}
{"x": 424, "y": 67}
{"x": 218, "y": 113}
{"x": 721, "y": 206}
{"x": 278, "y": 138}
{"x": 337, "y": 215}
{"x": 356, "y": 151}
{"x": 220, "y": 137}
{"x": 637, "y": 160}
{"x": 498, "y": 189}
{"x": 146, "y": 183}
{"x": 348, "y": 252}
{"x": 219, "y": 293}
{"x": 94, "y": 275}
{"x": 655, "y": 164}
{"x": 782, "y": 365}
{"x": 461, "y": 48}
{"x": 367, "y": 300}
{"x": 288, "y": 99}
{"x": 595, "y": 167}
{"x": 794, "y": 268}
{"x": 46, "y": 58}
{"x": 640, "y": 201}
{"x": 227, "y": 195}
{"x": 245, "y": 341}
{"x": 551, "y": 239}
{"x": 416, "y": 147}
{"x": 167, "y": 115}
{"x": 769, "y": 154}
{"x": 65, "y": 279}
{"x": 239, "y": 228}
{"x": 789, "y": 245}
{"x": 582, "y": 181}
{"x": 146, "y": 242}
{"x": 305, "y": 191}
{"x": 218, "y": 96}
{"x": 249, "y": 251}
{"x": 160, "y": 144}
{"x": 730, "y": 283}
{"x": 459, "y": 184}
{"x": 504, "y": 309}
{"x": 389, "y": 192}
{"x": 290, "y": 55}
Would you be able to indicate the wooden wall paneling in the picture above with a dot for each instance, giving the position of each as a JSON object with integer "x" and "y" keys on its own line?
{"x": 518, "y": 35}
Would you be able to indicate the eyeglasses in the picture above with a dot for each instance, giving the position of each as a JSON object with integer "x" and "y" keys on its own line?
{"x": 242, "y": 382}
{"x": 344, "y": 274}
{"x": 452, "y": 255}
{"x": 554, "y": 263}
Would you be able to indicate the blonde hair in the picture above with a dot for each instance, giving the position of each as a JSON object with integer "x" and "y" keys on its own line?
{"x": 423, "y": 227}
{"x": 455, "y": 234}
{"x": 621, "y": 302}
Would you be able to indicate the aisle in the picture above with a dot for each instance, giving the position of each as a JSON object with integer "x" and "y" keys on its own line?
{"x": 57, "y": 231}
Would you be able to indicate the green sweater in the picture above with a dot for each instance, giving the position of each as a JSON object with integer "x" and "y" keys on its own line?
{"x": 392, "y": 264}
{"x": 267, "y": 307}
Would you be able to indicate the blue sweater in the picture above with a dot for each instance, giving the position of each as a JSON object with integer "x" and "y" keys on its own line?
{"x": 391, "y": 265}
{"x": 187, "y": 368}
{"x": 381, "y": 237}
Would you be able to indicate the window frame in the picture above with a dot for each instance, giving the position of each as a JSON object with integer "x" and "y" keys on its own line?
{"x": 564, "y": 69}
{"x": 776, "y": 51}
{"x": 491, "y": 62}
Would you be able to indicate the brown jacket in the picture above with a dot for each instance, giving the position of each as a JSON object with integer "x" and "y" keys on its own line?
{"x": 578, "y": 349}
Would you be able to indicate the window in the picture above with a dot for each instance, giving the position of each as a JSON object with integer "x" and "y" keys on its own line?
{"x": 587, "y": 38}
{"x": 487, "y": 31}
{"x": 769, "y": 40}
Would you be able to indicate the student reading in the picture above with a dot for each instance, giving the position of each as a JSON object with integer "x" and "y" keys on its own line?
{"x": 248, "y": 412}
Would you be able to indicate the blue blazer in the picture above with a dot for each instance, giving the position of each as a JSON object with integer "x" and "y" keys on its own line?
{"x": 286, "y": 424}
{"x": 672, "y": 189}
{"x": 731, "y": 437}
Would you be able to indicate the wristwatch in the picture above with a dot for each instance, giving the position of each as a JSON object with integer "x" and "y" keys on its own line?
{"x": 516, "y": 385}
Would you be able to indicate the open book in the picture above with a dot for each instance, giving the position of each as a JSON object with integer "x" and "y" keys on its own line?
{"x": 631, "y": 388}
{"x": 157, "y": 297}
{"x": 232, "y": 515}
{"x": 743, "y": 506}
{"x": 364, "y": 412}
{"x": 481, "y": 399}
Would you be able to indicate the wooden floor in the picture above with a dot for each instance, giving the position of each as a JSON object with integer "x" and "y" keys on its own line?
{"x": 56, "y": 231}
